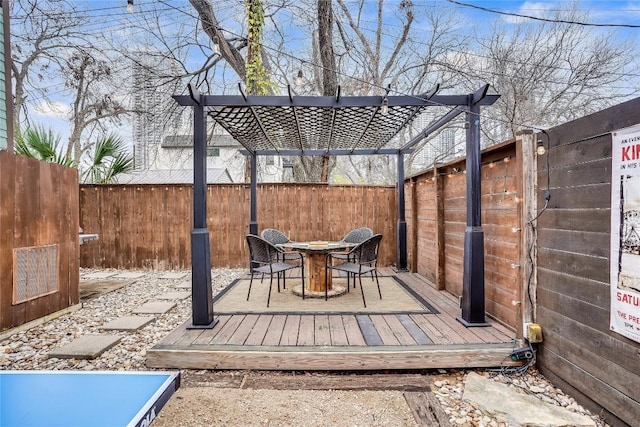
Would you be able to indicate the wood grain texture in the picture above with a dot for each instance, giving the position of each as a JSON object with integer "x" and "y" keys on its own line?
{"x": 39, "y": 208}
{"x": 149, "y": 226}
{"x": 573, "y": 284}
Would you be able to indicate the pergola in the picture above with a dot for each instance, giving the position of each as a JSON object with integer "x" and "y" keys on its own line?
{"x": 333, "y": 126}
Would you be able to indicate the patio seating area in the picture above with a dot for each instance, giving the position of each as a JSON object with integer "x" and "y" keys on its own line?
{"x": 348, "y": 340}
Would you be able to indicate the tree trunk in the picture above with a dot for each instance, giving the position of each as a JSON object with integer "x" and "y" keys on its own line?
{"x": 328, "y": 61}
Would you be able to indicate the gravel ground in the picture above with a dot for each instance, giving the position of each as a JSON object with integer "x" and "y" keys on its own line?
{"x": 197, "y": 404}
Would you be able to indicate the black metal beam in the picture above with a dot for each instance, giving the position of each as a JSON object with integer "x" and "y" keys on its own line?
{"x": 201, "y": 293}
{"x": 473, "y": 307}
{"x": 253, "y": 220}
{"x": 331, "y": 101}
{"x": 401, "y": 247}
{"x": 443, "y": 121}
{"x": 342, "y": 152}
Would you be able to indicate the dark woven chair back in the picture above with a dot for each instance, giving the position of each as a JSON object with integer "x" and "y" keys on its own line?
{"x": 368, "y": 252}
{"x": 273, "y": 236}
{"x": 358, "y": 235}
{"x": 260, "y": 250}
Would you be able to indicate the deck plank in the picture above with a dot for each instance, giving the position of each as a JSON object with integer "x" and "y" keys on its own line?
{"x": 306, "y": 335}
{"x": 272, "y": 337}
{"x": 369, "y": 331}
{"x": 228, "y": 329}
{"x": 384, "y": 330}
{"x": 337, "y": 331}
{"x": 208, "y": 334}
{"x": 401, "y": 333}
{"x": 256, "y": 336}
{"x": 322, "y": 334}
{"x": 176, "y": 334}
{"x": 418, "y": 335}
{"x": 424, "y": 322}
{"x": 352, "y": 329}
{"x": 290, "y": 330}
{"x": 189, "y": 336}
{"x": 244, "y": 329}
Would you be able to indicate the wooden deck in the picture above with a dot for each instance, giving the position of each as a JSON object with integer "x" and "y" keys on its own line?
{"x": 341, "y": 342}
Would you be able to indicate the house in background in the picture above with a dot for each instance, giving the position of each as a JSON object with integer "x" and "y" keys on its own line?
{"x": 176, "y": 153}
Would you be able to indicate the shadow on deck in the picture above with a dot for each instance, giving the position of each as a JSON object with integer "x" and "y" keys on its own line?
{"x": 340, "y": 342}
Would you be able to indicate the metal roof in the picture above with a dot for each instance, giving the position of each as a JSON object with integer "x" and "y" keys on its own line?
{"x": 321, "y": 125}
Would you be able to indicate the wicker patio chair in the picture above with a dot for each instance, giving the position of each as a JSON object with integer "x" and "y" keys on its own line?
{"x": 362, "y": 259}
{"x": 264, "y": 260}
{"x": 277, "y": 237}
{"x": 357, "y": 235}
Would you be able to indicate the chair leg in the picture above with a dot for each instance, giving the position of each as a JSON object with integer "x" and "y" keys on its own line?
{"x": 270, "y": 285}
{"x": 326, "y": 284}
{"x": 326, "y": 280}
{"x": 250, "y": 282}
{"x": 302, "y": 267}
{"x": 361, "y": 290}
{"x": 376, "y": 272}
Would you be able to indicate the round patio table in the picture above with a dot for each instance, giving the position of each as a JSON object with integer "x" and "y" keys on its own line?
{"x": 315, "y": 255}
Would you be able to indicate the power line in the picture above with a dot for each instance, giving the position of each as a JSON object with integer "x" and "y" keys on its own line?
{"x": 536, "y": 18}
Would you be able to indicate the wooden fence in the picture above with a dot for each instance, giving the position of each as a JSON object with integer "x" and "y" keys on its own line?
{"x": 436, "y": 222}
{"x": 149, "y": 226}
{"x": 38, "y": 239}
{"x": 595, "y": 365}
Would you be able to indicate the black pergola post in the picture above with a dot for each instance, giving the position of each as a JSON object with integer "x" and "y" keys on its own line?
{"x": 201, "y": 293}
{"x": 473, "y": 276}
{"x": 401, "y": 248}
{"x": 253, "y": 215}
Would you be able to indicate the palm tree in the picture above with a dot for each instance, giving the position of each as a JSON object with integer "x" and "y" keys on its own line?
{"x": 42, "y": 144}
{"x": 108, "y": 161}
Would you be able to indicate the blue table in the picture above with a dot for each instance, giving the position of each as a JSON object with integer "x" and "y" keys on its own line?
{"x": 83, "y": 398}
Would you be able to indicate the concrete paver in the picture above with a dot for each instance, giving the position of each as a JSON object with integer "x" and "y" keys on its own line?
{"x": 171, "y": 275}
{"x": 128, "y": 323}
{"x": 85, "y": 347}
{"x": 174, "y": 295}
{"x": 130, "y": 275}
{"x": 100, "y": 275}
{"x": 154, "y": 307}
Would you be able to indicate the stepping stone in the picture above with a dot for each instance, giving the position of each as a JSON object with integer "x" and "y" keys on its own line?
{"x": 172, "y": 276}
{"x": 154, "y": 308}
{"x": 518, "y": 409}
{"x": 174, "y": 295}
{"x": 128, "y": 323}
{"x": 100, "y": 275}
{"x": 85, "y": 347}
{"x": 183, "y": 285}
{"x": 130, "y": 275}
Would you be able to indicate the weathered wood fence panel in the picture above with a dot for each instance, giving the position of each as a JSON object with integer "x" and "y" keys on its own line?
{"x": 146, "y": 226}
{"x": 39, "y": 209}
{"x": 436, "y": 220}
{"x": 573, "y": 284}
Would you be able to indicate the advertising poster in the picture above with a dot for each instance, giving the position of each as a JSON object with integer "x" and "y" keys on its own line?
{"x": 625, "y": 232}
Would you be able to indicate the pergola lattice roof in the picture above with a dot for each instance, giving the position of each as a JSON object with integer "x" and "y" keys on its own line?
{"x": 321, "y": 125}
